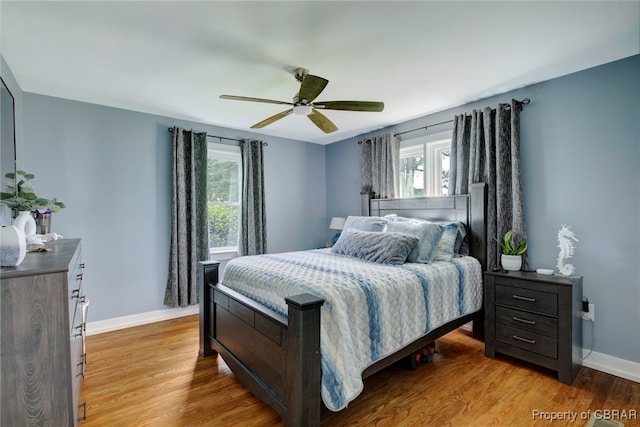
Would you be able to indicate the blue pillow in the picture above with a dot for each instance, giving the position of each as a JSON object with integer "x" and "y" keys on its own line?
{"x": 428, "y": 235}
{"x": 447, "y": 244}
{"x": 365, "y": 223}
{"x": 462, "y": 243}
{"x": 384, "y": 248}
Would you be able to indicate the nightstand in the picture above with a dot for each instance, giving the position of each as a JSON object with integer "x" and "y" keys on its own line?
{"x": 535, "y": 318}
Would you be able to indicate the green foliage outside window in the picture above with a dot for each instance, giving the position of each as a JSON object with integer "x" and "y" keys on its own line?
{"x": 444, "y": 174}
{"x": 223, "y": 202}
{"x": 223, "y": 225}
{"x": 411, "y": 171}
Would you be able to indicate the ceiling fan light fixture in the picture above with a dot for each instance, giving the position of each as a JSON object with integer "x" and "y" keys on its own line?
{"x": 302, "y": 110}
{"x": 302, "y": 105}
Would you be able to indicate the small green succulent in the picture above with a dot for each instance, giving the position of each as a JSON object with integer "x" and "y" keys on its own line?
{"x": 509, "y": 247}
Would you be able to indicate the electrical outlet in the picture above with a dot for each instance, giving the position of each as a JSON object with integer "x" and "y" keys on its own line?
{"x": 591, "y": 314}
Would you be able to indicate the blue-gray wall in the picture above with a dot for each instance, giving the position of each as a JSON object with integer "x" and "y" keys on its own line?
{"x": 580, "y": 149}
{"x": 580, "y": 159}
{"x": 112, "y": 169}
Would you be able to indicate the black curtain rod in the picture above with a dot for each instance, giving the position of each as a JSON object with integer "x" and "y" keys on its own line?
{"x": 223, "y": 137}
{"x": 525, "y": 101}
{"x": 423, "y": 127}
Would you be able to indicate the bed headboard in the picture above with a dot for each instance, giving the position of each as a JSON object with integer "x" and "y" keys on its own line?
{"x": 469, "y": 209}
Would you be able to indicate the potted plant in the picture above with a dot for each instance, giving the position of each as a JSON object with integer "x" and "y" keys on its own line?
{"x": 21, "y": 196}
{"x": 511, "y": 258}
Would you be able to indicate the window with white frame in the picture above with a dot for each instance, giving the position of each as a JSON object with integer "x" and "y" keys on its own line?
{"x": 224, "y": 177}
{"x": 424, "y": 166}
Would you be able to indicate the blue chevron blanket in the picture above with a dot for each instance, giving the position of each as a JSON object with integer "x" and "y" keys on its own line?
{"x": 371, "y": 310}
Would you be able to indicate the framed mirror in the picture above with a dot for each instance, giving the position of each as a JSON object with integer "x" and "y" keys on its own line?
{"x": 8, "y": 156}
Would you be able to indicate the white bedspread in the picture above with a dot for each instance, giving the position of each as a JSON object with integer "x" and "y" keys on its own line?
{"x": 371, "y": 310}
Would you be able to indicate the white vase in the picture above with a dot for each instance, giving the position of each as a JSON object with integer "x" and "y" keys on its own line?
{"x": 511, "y": 262}
{"x": 26, "y": 223}
{"x": 13, "y": 246}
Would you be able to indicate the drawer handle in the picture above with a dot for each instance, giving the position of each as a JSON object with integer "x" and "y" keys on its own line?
{"x": 81, "y": 373}
{"x": 82, "y": 265}
{"x": 82, "y": 364}
{"x": 82, "y": 406}
{"x": 79, "y": 276}
{"x": 82, "y": 328}
{"x": 75, "y": 293}
{"x": 528, "y": 322}
{"x": 521, "y": 298}
{"x": 527, "y": 340}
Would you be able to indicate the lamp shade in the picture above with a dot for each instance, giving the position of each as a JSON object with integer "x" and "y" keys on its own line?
{"x": 336, "y": 223}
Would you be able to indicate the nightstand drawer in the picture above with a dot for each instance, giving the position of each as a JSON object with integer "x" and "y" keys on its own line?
{"x": 527, "y": 299}
{"x": 528, "y": 341}
{"x": 529, "y": 322}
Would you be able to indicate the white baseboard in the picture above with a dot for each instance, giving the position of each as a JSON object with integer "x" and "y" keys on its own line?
{"x": 102, "y": 326}
{"x": 612, "y": 365}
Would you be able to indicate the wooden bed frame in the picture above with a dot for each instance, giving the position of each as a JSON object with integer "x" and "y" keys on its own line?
{"x": 277, "y": 357}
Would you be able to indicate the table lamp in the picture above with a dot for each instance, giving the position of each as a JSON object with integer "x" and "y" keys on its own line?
{"x": 336, "y": 224}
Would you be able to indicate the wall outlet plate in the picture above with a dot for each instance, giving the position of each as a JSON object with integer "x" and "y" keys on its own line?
{"x": 591, "y": 314}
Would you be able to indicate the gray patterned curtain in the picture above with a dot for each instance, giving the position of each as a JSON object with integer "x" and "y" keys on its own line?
{"x": 253, "y": 226}
{"x": 189, "y": 234}
{"x": 485, "y": 147}
{"x": 381, "y": 165}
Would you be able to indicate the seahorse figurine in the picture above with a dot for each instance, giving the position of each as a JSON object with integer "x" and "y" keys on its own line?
{"x": 566, "y": 239}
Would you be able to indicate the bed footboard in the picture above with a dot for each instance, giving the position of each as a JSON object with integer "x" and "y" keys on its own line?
{"x": 277, "y": 358}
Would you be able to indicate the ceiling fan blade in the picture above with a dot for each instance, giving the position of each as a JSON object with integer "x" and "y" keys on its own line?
{"x": 247, "y": 98}
{"x": 350, "y": 105}
{"x": 322, "y": 122}
{"x": 272, "y": 119}
{"x": 311, "y": 87}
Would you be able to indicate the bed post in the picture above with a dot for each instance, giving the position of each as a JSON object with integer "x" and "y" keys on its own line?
{"x": 207, "y": 273}
{"x": 365, "y": 202}
{"x": 478, "y": 241}
{"x": 477, "y": 220}
{"x": 303, "y": 371}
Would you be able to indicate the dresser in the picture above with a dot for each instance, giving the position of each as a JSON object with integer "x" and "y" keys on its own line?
{"x": 43, "y": 338}
{"x": 536, "y": 318}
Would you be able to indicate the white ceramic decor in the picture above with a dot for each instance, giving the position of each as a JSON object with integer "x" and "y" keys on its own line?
{"x": 13, "y": 246}
{"x": 26, "y": 223}
{"x": 566, "y": 243}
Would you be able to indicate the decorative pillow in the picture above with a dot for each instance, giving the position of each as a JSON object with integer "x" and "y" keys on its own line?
{"x": 397, "y": 218}
{"x": 390, "y": 218}
{"x": 462, "y": 243}
{"x": 384, "y": 248}
{"x": 365, "y": 223}
{"x": 428, "y": 235}
{"x": 446, "y": 246}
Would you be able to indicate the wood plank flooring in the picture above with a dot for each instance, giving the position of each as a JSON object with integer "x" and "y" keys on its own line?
{"x": 152, "y": 375}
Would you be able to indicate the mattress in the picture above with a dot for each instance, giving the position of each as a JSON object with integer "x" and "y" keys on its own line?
{"x": 371, "y": 310}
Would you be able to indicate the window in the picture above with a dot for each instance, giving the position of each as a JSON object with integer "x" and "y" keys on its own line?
{"x": 224, "y": 175}
{"x": 424, "y": 166}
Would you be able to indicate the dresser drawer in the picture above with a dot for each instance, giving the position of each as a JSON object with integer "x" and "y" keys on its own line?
{"x": 529, "y": 322}
{"x": 533, "y": 342}
{"x": 527, "y": 299}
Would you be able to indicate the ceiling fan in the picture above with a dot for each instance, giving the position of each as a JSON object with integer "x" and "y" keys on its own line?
{"x": 310, "y": 87}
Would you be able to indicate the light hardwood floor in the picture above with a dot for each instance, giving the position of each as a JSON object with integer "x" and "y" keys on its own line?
{"x": 152, "y": 375}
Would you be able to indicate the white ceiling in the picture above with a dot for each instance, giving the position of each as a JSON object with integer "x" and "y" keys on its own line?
{"x": 174, "y": 58}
